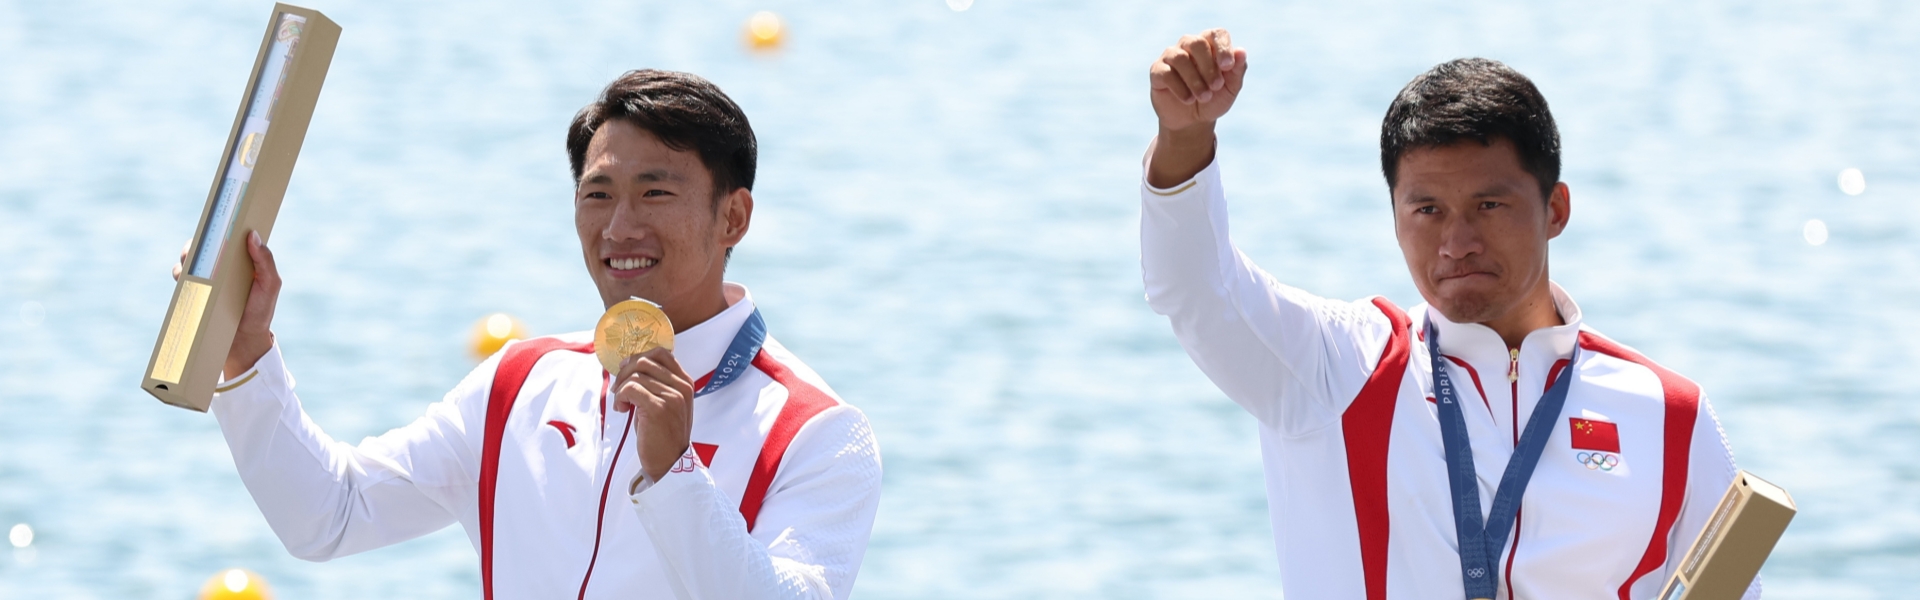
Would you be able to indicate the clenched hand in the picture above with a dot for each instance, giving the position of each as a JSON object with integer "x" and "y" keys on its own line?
{"x": 1193, "y": 84}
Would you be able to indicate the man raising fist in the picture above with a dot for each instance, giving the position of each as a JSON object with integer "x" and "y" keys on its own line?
{"x": 1486, "y": 443}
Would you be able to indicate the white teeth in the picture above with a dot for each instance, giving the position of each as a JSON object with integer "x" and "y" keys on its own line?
{"x": 629, "y": 264}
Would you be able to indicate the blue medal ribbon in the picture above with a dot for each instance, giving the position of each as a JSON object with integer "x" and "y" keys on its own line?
{"x": 746, "y": 344}
{"x": 1482, "y": 543}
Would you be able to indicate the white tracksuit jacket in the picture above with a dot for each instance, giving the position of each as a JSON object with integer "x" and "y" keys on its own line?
{"x": 558, "y": 520}
{"x": 1356, "y": 476}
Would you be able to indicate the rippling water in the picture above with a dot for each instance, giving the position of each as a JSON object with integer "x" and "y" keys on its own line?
{"x": 947, "y": 232}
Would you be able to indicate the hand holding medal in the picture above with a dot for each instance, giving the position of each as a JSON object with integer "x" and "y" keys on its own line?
{"x": 634, "y": 342}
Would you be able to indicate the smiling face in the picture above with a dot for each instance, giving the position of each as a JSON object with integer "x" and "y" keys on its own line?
{"x": 651, "y": 226}
{"x": 1474, "y": 229}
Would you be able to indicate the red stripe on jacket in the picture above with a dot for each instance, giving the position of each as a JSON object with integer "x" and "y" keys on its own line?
{"x": 1367, "y": 426}
{"x": 508, "y": 377}
{"x": 804, "y": 401}
{"x": 1476, "y": 381}
{"x": 1682, "y": 407}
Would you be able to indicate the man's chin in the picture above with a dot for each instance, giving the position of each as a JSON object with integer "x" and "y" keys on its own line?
{"x": 1466, "y": 308}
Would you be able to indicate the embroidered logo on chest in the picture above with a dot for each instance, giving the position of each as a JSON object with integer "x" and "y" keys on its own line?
{"x": 566, "y": 430}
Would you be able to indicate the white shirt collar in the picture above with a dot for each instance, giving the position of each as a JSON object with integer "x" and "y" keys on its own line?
{"x": 700, "y": 348}
{"x": 1479, "y": 344}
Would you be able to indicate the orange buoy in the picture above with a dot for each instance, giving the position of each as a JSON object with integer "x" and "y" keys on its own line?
{"x": 236, "y": 584}
{"x": 494, "y": 331}
{"x": 765, "y": 31}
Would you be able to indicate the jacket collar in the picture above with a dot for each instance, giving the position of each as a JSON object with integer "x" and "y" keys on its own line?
{"x": 1478, "y": 344}
{"x": 700, "y": 348}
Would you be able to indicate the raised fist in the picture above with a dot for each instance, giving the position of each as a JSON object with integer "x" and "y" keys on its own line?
{"x": 1196, "y": 80}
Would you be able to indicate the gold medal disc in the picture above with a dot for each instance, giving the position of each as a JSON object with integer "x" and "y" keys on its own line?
{"x": 629, "y": 328}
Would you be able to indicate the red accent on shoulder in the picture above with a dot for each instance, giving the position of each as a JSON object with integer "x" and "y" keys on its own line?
{"x": 1683, "y": 406}
{"x": 803, "y": 402}
{"x": 566, "y": 430}
{"x": 1367, "y": 426}
{"x": 706, "y": 452}
{"x": 508, "y": 376}
{"x": 1475, "y": 375}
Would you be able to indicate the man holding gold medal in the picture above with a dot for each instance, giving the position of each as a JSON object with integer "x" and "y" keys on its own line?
{"x": 676, "y": 451}
{"x": 1487, "y": 443}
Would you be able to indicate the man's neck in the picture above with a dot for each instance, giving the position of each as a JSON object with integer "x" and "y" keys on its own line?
{"x": 1537, "y": 312}
{"x": 686, "y": 315}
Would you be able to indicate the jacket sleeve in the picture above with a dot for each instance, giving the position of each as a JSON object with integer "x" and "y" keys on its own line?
{"x": 1293, "y": 359}
{"x": 811, "y": 532}
{"x": 325, "y": 498}
{"x": 1710, "y": 472}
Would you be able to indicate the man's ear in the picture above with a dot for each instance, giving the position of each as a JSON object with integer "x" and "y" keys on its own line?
{"x": 736, "y": 215}
{"x": 1559, "y": 210}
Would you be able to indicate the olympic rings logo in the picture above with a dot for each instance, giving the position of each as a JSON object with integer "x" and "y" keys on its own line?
{"x": 1598, "y": 460}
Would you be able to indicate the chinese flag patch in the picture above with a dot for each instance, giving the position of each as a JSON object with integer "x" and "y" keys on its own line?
{"x": 1589, "y": 434}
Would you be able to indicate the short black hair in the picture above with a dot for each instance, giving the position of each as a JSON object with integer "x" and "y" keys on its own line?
{"x": 1477, "y": 99}
{"x": 687, "y": 113}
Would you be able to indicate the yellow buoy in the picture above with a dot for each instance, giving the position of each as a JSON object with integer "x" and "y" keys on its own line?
{"x": 236, "y": 584}
{"x": 765, "y": 31}
{"x": 494, "y": 331}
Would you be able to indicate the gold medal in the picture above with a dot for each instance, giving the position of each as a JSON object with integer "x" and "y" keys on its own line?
{"x": 629, "y": 328}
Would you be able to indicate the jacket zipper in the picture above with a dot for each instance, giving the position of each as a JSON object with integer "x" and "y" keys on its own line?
{"x": 1513, "y": 365}
{"x": 1513, "y": 382}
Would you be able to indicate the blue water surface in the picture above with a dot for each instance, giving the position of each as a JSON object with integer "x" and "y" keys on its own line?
{"x": 947, "y": 231}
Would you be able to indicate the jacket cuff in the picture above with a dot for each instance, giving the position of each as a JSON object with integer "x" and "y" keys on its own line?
{"x": 1206, "y": 179}
{"x": 687, "y": 470}
{"x": 268, "y": 378}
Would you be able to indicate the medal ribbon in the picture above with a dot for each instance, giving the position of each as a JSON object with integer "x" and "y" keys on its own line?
{"x": 746, "y": 344}
{"x": 740, "y": 352}
{"x": 1482, "y": 543}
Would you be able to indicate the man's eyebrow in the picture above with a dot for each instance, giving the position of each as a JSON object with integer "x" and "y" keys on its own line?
{"x": 596, "y": 178}
{"x": 1496, "y": 190}
{"x": 654, "y": 175}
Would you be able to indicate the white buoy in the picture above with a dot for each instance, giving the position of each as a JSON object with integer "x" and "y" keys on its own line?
{"x": 21, "y": 535}
{"x": 1815, "y": 231}
{"x": 1852, "y": 181}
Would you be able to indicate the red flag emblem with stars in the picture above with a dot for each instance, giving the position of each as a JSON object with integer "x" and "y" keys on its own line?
{"x": 1589, "y": 434}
